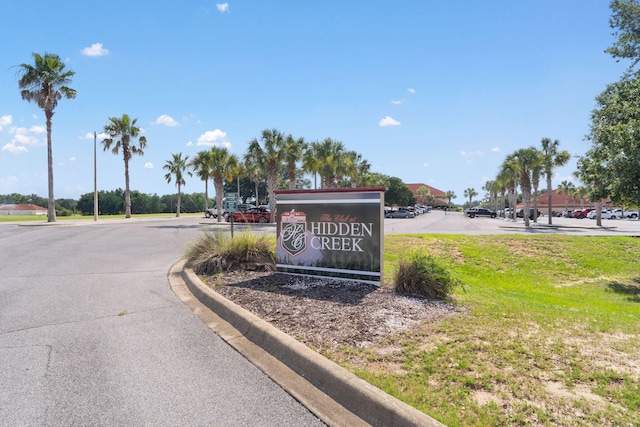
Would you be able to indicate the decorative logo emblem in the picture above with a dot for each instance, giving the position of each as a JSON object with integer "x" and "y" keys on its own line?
{"x": 293, "y": 232}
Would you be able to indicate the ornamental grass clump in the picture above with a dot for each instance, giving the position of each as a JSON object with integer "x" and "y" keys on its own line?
{"x": 420, "y": 274}
{"x": 217, "y": 252}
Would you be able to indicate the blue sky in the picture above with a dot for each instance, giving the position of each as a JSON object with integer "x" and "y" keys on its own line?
{"x": 430, "y": 92}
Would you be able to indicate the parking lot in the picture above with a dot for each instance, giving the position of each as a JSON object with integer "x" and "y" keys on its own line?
{"x": 441, "y": 222}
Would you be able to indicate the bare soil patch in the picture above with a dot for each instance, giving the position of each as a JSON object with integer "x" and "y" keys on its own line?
{"x": 328, "y": 314}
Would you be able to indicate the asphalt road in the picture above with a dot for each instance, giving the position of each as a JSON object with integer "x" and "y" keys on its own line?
{"x": 91, "y": 334}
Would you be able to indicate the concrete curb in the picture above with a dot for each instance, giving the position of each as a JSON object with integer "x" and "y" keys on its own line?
{"x": 368, "y": 404}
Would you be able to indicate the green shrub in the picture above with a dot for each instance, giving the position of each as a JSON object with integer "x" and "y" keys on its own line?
{"x": 420, "y": 274}
{"x": 216, "y": 252}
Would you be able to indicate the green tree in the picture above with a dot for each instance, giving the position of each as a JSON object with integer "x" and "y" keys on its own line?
{"x": 508, "y": 177}
{"x": 423, "y": 192}
{"x": 268, "y": 156}
{"x": 592, "y": 171}
{"x": 398, "y": 194}
{"x": 201, "y": 165}
{"x": 614, "y": 130}
{"x": 526, "y": 160}
{"x": 46, "y": 82}
{"x": 536, "y": 172}
{"x": 357, "y": 168}
{"x": 470, "y": 193}
{"x": 566, "y": 188}
{"x": 293, "y": 153}
{"x": 450, "y": 195}
{"x": 122, "y": 133}
{"x": 222, "y": 165}
{"x": 625, "y": 21}
{"x": 552, "y": 158}
{"x": 311, "y": 162}
{"x": 176, "y": 168}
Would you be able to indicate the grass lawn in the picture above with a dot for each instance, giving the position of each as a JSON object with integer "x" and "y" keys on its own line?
{"x": 43, "y": 218}
{"x": 548, "y": 333}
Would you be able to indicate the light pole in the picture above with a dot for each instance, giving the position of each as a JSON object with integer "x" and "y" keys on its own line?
{"x": 95, "y": 179}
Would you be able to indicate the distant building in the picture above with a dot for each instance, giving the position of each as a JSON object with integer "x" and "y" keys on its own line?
{"x": 28, "y": 209}
{"x": 559, "y": 202}
{"x": 438, "y": 195}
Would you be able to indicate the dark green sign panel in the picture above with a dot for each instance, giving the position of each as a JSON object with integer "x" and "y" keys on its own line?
{"x": 336, "y": 233}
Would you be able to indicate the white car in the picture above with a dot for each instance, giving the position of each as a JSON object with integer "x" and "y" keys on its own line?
{"x": 619, "y": 213}
{"x": 631, "y": 214}
{"x": 606, "y": 214}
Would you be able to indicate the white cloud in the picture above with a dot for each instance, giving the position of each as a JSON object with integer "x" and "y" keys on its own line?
{"x": 22, "y": 137}
{"x": 72, "y": 159}
{"x": 99, "y": 136}
{"x": 190, "y": 144}
{"x": 426, "y": 165}
{"x": 5, "y": 120}
{"x": 222, "y": 7}
{"x": 95, "y": 49}
{"x": 388, "y": 121}
{"x": 495, "y": 149}
{"x": 165, "y": 120}
{"x": 213, "y": 138}
{"x": 411, "y": 90}
{"x": 469, "y": 154}
{"x": 397, "y": 102}
{"x": 12, "y": 147}
{"x": 148, "y": 165}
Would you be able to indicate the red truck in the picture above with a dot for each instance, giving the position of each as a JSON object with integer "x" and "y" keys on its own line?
{"x": 260, "y": 214}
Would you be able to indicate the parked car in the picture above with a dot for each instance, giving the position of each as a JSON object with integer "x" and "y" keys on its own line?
{"x": 568, "y": 213}
{"x": 212, "y": 213}
{"x": 532, "y": 211}
{"x": 631, "y": 214}
{"x": 400, "y": 213}
{"x": 478, "y": 211}
{"x": 606, "y": 214}
{"x": 259, "y": 214}
{"x": 580, "y": 214}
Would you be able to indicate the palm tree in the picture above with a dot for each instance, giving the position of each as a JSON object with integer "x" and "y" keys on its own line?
{"x": 253, "y": 172}
{"x": 122, "y": 131}
{"x": 508, "y": 177}
{"x": 535, "y": 182}
{"x": 552, "y": 158}
{"x": 331, "y": 154}
{"x": 201, "y": 165}
{"x": 45, "y": 82}
{"x": 566, "y": 188}
{"x": 470, "y": 193}
{"x": 269, "y": 159}
{"x": 423, "y": 192}
{"x": 525, "y": 160}
{"x": 449, "y": 195}
{"x": 362, "y": 177}
{"x": 222, "y": 168}
{"x": 176, "y": 167}
{"x": 311, "y": 162}
{"x": 293, "y": 152}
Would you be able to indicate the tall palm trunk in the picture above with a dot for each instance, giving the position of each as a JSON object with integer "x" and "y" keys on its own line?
{"x": 51, "y": 207}
{"x": 272, "y": 185}
{"x": 178, "y": 207}
{"x": 127, "y": 193}
{"x": 218, "y": 184}
{"x": 549, "y": 214}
